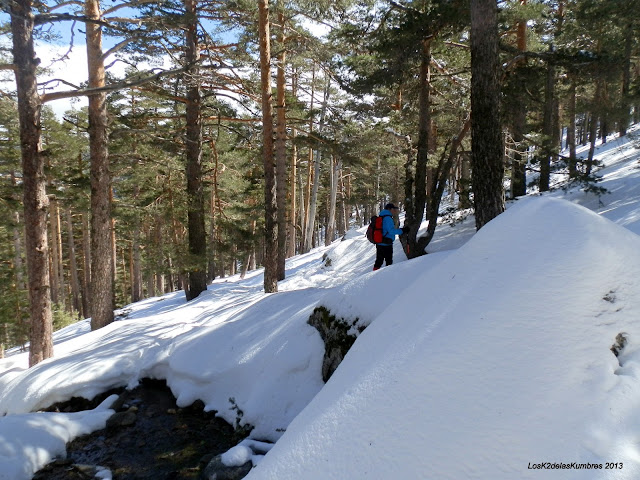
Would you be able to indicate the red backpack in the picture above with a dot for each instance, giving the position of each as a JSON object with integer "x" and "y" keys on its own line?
{"x": 374, "y": 231}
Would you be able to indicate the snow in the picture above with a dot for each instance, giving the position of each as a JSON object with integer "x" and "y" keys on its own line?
{"x": 488, "y": 358}
{"x": 29, "y": 441}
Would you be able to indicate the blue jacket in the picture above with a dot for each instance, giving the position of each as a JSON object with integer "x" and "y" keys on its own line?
{"x": 389, "y": 230}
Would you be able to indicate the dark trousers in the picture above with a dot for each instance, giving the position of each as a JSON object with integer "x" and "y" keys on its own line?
{"x": 384, "y": 253}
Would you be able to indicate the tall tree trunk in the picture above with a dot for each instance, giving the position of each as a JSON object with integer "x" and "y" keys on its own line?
{"x": 626, "y": 79}
{"x": 593, "y": 136}
{"x": 571, "y": 130}
{"x": 336, "y": 169}
{"x": 439, "y": 182}
{"x": 136, "y": 268}
{"x": 464, "y": 193}
{"x": 86, "y": 265}
{"x": 35, "y": 199}
{"x": 344, "y": 218}
{"x": 73, "y": 266}
{"x": 548, "y": 146}
{"x": 214, "y": 207}
{"x": 102, "y": 267}
{"x": 55, "y": 256}
{"x": 593, "y": 124}
{"x": 302, "y": 210}
{"x": 415, "y": 204}
{"x": 280, "y": 147}
{"x": 54, "y": 275}
{"x": 197, "y": 269}
{"x": 270, "y": 205}
{"x": 294, "y": 192}
{"x": 250, "y": 260}
{"x": 306, "y": 193}
{"x": 519, "y": 122}
{"x": 487, "y": 151}
{"x": 17, "y": 250}
{"x": 313, "y": 202}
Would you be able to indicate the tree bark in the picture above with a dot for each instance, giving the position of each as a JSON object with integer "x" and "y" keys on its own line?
{"x": 73, "y": 266}
{"x": 35, "y": 199}
{"x": 280, "y": 147}
{"x": 86, "y": 265}
{"x": 415, "y": 201}
{"x": 317, "y": 157}
{"x": 17, "y": 250}
{"x": 439, "y": 182}
{"x": 626, "y": 80}
{"x": 464, "y": 193}
{"x": 102, "y": 266}
{"x": 487, "y": 151}
{"x": 54, "y": 275}
{"x": 136, "y": 269}
{"x": 55, "y": 256}
{"x": 291, "y": 249}
{"x": 519, "y": 122}
{"x": 270, "y": 205}
{"x": 571, "y": 130}
{"x": 548, "y": 146}
{"x": 306, "y": 193}
{"x": 197, "y": 266}
{"x": 593, "y": 136}
{"x": 336, "y": 170}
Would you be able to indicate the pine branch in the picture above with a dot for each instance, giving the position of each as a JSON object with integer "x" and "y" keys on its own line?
{"x": 82, "y": 92}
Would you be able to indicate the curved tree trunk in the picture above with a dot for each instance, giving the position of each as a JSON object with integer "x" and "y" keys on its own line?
{"x": 415, "y": 203}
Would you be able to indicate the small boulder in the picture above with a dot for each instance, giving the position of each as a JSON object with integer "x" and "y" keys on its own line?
{"x": 121, "y": 419}
{"x": 217, "y": 470}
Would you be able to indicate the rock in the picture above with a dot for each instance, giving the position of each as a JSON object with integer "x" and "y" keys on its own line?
{"x": 338, "y": 336}
{"x": 619, "y": 344}
{"x": 87, "y": 471}
{"x": 154, "y": 411}
{"x": 121, "y": 419}
{"x": 118, "y": 405}
{"x": 216, "y": 470}
{"x": 197, "y": 406}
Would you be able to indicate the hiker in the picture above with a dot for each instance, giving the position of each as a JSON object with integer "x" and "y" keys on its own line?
{"x": 384, "y": 249}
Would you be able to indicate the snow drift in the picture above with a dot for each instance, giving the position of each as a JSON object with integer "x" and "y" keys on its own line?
{"x": 492, "y": 364}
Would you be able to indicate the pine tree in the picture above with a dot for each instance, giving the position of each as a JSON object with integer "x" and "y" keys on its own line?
{"x": 487, "y": 154}
{"x": 271, "y": 233}
{"x": 34, "y": 194}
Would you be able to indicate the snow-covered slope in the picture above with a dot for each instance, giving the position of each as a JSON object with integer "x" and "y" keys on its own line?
{"x": 482, "y": 359}
{"x": 496, "y": 359}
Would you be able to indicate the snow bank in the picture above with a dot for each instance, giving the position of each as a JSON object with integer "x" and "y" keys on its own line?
{"x": 494, "y": 361}
{"x": 42, "y": 437}
{"x": 253, "y": 353}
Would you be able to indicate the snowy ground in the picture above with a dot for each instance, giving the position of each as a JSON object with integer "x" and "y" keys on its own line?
{"x": 489, "y": 358}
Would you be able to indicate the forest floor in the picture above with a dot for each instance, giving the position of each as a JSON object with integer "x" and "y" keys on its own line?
{"x": 151, "y": 438}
